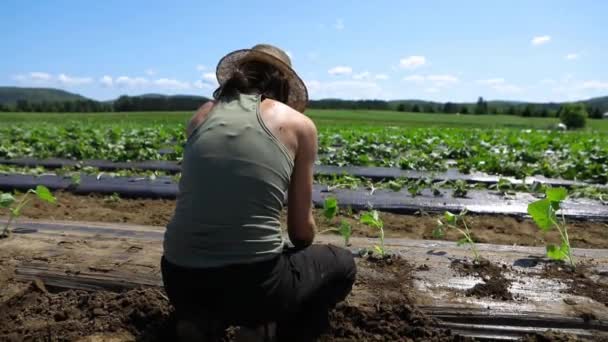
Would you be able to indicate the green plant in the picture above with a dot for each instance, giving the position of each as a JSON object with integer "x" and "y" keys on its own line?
{"x": 573, "y": 115}
{"x": 372, "y": 219}
{"x": 461, "y": 188}
{"x": 330, "y": 209}
{"x": 113, "y": 198}
{"x": 454, "y": 221}
{"x": 7, "y": 200}
{"x": 544, "y": 214}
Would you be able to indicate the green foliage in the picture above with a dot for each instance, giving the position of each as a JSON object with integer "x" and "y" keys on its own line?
{"x": 458, "y": 223}
{"x": 330, "y": 207}
{"x": 372, "y": 219}
{"x": 544, "y": 214}
{"x": 8, "y": 201}
{"x": 461, "y": 188}
{"x": 573, "y": 115}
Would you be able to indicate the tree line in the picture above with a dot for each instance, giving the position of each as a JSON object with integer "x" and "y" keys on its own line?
{"x": 190, "y": 103}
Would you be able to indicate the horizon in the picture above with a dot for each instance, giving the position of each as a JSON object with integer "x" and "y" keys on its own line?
{"x": 457, "y": 52}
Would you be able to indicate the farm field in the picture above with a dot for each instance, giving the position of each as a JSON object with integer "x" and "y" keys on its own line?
{"x": 93, "y": 276}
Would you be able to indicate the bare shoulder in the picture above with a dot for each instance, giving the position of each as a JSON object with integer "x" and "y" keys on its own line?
{"x": 199, "y": 116}
{"x": 301, "y": 123}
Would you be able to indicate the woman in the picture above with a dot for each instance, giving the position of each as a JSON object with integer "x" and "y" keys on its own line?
{"x": 225, "y": 261}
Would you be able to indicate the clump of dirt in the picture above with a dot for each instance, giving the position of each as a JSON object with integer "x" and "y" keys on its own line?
{"x": 35, "y": 314}
{"x": 494, "y": 284}
{"x": 579, "y": 280}
{"x": 385, "y": 311}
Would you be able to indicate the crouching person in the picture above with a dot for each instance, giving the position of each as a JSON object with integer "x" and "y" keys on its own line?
{"x": 225, "y": 261}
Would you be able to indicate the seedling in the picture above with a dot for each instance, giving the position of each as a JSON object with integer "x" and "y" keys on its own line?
{"x": 453, "y": 221}
{"x": 544, "y": 214}
{"x": 372, "y": 219}
{"x": 461, "y": 188}
{"x": 330, "y": 209}
{"x": 7, "y": 200}
{"x": 436, "y": 188}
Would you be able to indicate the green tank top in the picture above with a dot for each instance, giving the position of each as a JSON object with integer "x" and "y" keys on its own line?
{"x": 235, "y": 175}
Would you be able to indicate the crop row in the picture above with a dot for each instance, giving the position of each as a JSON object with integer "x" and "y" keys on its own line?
{"x": 520, "y": 153}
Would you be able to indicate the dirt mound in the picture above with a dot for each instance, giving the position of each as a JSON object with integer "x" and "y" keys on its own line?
{"x": 494, "y": 284}
{"x": 580, "y": 280}
{"x": 38, "y": 315}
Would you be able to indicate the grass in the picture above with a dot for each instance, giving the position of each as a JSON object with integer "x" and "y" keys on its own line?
{"x": 323, "y": 118}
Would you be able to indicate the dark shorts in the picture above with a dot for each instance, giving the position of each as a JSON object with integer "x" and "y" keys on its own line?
{"x": 296, "y": 289}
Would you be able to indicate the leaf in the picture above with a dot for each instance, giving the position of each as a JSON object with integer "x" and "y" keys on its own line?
{"x": 6, "y": 199}
{"x": 542, "y": 213}
{"x": 371, "y": 219}
{"x": 45, "y": 194}
{"x": 438, "y": 232}
{"x": 462, "y": 241}
{"x": 330, "y": 207}
{"x": 560, "y": 253}
{"x": 379, "y": 249}
{"x": 450, "y": 218}
{"x": 556, "y": 194}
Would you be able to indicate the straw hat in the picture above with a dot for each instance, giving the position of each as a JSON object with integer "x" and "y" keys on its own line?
{"x": 298, "y": 95}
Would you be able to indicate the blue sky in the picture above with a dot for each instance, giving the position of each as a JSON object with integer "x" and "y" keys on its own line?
{"x": 437, "y": 50}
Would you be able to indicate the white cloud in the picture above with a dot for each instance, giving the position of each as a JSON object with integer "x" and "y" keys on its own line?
{"x": 362, "y": 76}
{"x": 171, "y": 83}
{"x": 368, "y": 76}
{"x": 594, "y": 85}
{"x": 540, "y": 40}
{"x": 106, "y": 81}
{"x": 572, "y": 56}
{"x": 412, "y": 62}
{"x": 73, "y": 81}
{"x": 435, "y": 80}
{"x": 414, "y": 78}
{"x": 33, "y": 77}
{"x": 210, "y": 77}
{"x": 500, "y": 85}
{"x": 345, "y": 89}
{"x": 340, "y": 70}
{"x": 126, "y": 81}
{"x": 492, "y": 81}
{"x": 201, "y": 67}
{"x": 339, "y": 25}
{"x": 150, "y": 72}
{"x": 202, "y": 85}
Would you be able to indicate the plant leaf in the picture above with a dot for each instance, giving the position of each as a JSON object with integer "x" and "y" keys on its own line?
{"x": 462, "y": 241}
{"x": 379, "y": 249}
{"x": 438, "y": 232}
{"x": 450, "y": 218}
{"x": 560, "y": 253}
{"x": 45, "y": 194}
{"x": 345, "y": 230}
{"x": 556, "y": 194}
{"x": 371, "y": 219}
{"x": 542, "y": 213}
{"x": 6, "y": 199}
{"x": 330, "y": 207}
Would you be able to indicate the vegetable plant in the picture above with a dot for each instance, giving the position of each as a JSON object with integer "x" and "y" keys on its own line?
{"x": 458, "y": 223}
{"x": 372, "y": 219}
{"x": 461, "y": 188}
{"x": 8, "y": 201}
{"x": 330, "y": 209}
{"x": 544, "y": 214}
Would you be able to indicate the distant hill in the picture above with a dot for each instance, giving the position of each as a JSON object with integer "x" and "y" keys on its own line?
{"x": 10, "y": 95}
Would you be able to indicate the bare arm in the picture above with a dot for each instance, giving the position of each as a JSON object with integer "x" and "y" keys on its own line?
{"x": 300, "y": 221}
{"x": 199, "y": 117}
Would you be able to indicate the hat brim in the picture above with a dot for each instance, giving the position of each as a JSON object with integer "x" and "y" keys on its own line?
{"x": 298, "y": 94}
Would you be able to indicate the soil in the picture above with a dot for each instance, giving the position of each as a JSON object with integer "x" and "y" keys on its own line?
{"x": 494, "y": 229}
{"x": 552, "y": 336}
{"x": 494, "y": 284}
{"x": 380, "y": 308}
{"x": 580, "y": 281}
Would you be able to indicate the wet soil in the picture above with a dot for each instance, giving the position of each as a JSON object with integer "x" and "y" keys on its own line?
{"x": 581, "y": 281}
{"x": 552, "y": 336}
{"x": 494, "y": 284}
{"x": 486, "y": 228}
{"x": 380, "y": 308}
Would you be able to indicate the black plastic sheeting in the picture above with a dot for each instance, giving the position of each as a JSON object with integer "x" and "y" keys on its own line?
{"x": 374, "y": 173}
{"x": 482, "y": 202}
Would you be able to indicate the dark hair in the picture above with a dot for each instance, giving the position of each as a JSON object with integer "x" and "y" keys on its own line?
{"x": 255, "y": 78}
